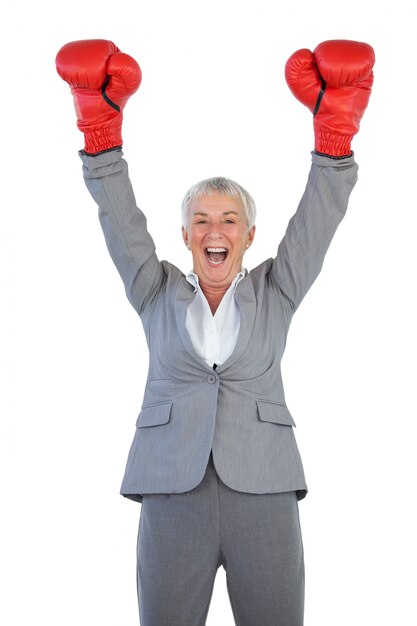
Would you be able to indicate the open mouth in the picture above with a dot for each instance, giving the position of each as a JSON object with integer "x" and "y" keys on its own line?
{"x": 216, "y": 256}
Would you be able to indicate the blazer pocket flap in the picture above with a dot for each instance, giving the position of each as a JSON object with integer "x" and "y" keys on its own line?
{"x": 154, "y": 415}
{"x": 274, "y": 412}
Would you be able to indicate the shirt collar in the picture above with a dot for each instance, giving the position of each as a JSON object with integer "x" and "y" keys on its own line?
{"x": 193, "y": 279}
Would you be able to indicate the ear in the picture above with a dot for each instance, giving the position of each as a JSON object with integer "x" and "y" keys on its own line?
{"x": 185, "y": 237}
{"x": 251, "y": 235}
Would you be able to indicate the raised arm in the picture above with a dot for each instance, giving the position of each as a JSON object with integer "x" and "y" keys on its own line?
{"x": 334, "y": 82}
{"x": 102, "y": 79}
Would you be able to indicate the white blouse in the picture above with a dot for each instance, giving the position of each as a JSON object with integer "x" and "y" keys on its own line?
{"x": 214, "y": 337}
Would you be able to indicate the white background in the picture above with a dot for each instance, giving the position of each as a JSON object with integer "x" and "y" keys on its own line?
{"x": 213, "y": 102}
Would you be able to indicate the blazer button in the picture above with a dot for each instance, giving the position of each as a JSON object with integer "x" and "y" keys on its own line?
{"x": 211, "y": 379}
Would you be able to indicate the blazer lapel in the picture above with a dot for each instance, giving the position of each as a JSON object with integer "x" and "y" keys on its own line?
{"x": 184, "y": 297}
{"x": 246, "y": 300}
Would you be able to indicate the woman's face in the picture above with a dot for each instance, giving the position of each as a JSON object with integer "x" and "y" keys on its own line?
{"x": 218, "y": 236}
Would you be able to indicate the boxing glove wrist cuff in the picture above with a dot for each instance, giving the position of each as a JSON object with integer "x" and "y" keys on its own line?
{"x": 332, "y": 144}
{"x": 102, "y": 138}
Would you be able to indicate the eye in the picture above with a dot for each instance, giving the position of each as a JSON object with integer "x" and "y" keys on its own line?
{"x": 229, "y": 221}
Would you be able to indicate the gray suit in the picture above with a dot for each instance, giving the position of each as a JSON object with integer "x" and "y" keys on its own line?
{"x": 238, "y": 411}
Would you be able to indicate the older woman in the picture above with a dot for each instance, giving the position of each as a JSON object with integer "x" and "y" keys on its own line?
{"x": 214, "y": 460}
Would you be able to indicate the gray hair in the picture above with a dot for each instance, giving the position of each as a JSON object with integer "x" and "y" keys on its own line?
{"x": 223, "y": 186}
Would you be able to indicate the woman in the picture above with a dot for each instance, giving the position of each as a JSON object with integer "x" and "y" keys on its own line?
{"x": 214, "y": 460}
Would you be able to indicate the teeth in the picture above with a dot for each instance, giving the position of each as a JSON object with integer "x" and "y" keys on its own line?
{"x": 216, "y": 250}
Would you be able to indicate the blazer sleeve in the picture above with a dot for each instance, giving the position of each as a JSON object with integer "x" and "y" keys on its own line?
{"x": 124, "y": 226}
{"x": 309, "y": 233}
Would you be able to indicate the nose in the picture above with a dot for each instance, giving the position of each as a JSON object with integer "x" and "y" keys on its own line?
{"x": 215, "y": 232}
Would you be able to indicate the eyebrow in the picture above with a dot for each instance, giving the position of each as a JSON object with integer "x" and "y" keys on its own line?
{"x": 224, "y": 213}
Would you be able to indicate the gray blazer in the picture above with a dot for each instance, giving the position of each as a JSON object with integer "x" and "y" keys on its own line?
{"x": 238, "y": 411}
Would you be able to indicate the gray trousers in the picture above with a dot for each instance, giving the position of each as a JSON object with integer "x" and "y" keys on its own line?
{"x": 184, "y": 538}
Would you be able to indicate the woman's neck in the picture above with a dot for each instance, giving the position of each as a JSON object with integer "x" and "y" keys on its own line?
{"x": 214, "y": 296}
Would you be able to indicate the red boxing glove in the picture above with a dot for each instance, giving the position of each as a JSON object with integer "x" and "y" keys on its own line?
{"x": 335, "y": 83}
{"x": 101, "y": 79}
